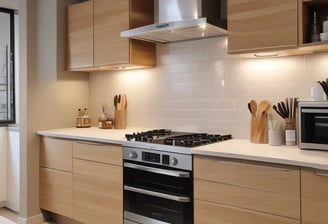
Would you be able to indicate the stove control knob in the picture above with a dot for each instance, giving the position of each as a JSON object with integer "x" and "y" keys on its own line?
{"x": 133, "y": 155}
{"x": 174, "y": 161}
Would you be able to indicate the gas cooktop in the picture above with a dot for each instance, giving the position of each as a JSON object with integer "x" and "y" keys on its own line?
{"x": 184, "y": 139}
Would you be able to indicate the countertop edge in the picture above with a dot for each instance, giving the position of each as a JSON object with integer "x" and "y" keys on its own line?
{"x": 233, "y": 149}
{"x": 260, "y": 159}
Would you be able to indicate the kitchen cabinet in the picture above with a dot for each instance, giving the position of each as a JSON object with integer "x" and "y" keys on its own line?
{"x": 56, "y": 178}
{"x": 274, "y": 28}
{"x": 98, "y": 183}
{"x": 233, "y": 191}
{"x": 81, "y": 180}
{"x": 262, "y": 25}
{"x": 103, "y": 48}
{"x": 314, "y": 193}
{"x": 306, "y": 12}
{"x": 80, "y": 36}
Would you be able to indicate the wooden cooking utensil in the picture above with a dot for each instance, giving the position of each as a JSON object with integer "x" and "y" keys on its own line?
{"x": 252, "y": 106}
{"x": 120, "y": 112}
{"x": 262, "y": 123}
{"x": 259, "y": 121}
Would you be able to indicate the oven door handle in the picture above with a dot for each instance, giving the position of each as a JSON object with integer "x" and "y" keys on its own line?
{"x": 157, "y": 194}
{"x": 172, "y": 173}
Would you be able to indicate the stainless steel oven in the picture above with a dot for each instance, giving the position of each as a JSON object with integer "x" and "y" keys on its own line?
{"x": 158, "y": 187}
{"x": 313, "y": 125}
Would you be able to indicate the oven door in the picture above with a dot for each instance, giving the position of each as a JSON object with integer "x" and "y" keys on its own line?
{"x": 156, "y": 195}
{"x": 314, "y": 128}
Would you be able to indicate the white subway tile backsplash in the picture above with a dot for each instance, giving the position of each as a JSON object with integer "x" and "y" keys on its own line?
{"x": 196, "y": 86}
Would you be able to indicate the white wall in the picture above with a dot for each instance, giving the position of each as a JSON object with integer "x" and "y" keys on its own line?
{"x": 3, "y": 165}
{"x": 197, "y": 87}
{"x": 13, "y": 166}
{"x": 49, "y": 96}
{"x": 10, "y": 4}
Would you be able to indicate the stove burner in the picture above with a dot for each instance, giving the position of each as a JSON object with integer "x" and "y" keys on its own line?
{"x": 192, "y": 140}
{"x": 167, "y": 137}
{"x": 148, "y": 136}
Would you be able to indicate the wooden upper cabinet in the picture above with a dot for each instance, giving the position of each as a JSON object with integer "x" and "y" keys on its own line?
{"x": 79, "y": 51}
{"x": 262, "y": 25}
{"x": 94, "y": 41}
{"x": 306, "y": 13}
{"x": 111, "y": 17}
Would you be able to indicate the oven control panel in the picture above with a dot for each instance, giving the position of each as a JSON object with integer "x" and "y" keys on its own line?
{"x": 176, "y": 160}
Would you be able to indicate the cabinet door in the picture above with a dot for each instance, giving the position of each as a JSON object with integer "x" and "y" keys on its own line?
{"x": 98, "y": 192}
{"x": 314, "y": 188}
{"x": 56, "y": 153}
{"x": 257, "y": 25}
{"x": 110, "y": 18}
{"x": 80, "y": 36}
{"x": 256, "y": 186}
{"x": 56, "y": 191}
{"x": 211, "y": 213}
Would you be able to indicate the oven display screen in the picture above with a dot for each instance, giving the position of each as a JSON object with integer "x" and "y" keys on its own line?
{"x": 151, "y": 157}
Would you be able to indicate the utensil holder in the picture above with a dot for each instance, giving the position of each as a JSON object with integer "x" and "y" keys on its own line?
{"x": 120, "y": 119}
{"x": 290, "y": 131}
{"x": 259, "y": 129}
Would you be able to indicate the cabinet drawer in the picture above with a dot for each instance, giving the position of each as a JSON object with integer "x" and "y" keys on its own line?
{"x": 314, "y": 185}
{"x": 56, "y": 191}
{"x": 97, "y": 201}
{"x": 104, "y": 153}
{"x": 265, "y": 176}
{"x": 249, "y": 198}
{"x": 102, "y": 171}
{"x": 211, "y": 213}
{"x": 56, "y": 153}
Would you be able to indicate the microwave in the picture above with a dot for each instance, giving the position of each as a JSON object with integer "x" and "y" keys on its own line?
{"x": 313, "y": 125}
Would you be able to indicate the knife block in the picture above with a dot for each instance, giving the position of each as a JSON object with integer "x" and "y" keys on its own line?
{"x": 120, "y": 119}
{"x": 259, "y": 129}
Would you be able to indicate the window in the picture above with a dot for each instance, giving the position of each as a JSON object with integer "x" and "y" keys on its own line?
{"x": 7, "y": 91}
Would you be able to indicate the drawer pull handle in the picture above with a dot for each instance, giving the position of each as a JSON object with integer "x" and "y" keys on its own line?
{"x": 89, "y": 143}
{"x": 322, "y": 173}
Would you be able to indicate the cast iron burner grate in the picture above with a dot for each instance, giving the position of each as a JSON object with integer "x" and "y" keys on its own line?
{"x": 167, "y": 137}
{"x": 192, "y": 140}
{"x": 148, "y": 136}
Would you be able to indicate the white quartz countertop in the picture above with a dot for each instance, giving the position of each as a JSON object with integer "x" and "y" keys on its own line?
{"x": 235, "y": 148}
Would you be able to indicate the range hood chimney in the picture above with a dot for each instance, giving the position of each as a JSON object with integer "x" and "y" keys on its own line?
{"x": 180, "y": 20}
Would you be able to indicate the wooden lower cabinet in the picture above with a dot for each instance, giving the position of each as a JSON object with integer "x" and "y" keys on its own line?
{"x": 56, "y": 191}
{"x": 213, "y": 213}
{"x": 314, "y": 188}
{"x": 97, "y": 201}
{"x": 98, "y": 183}
{"x": 82, "y": 180}
{"x": 231, "y": 191}
{"x": 56, "y": 178}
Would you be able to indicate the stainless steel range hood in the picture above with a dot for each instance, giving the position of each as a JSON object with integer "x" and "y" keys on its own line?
{"x": 180, "y": 20}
